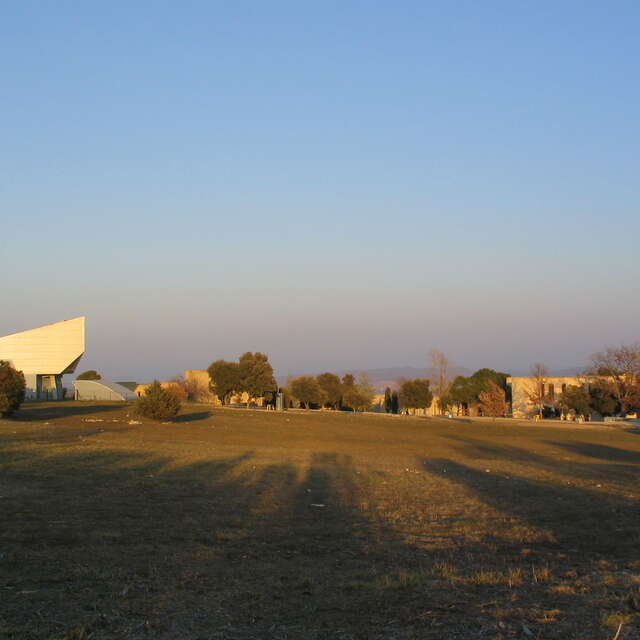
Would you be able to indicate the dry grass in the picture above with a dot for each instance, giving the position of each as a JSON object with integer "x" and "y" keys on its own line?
{"x": 211, "y": 527}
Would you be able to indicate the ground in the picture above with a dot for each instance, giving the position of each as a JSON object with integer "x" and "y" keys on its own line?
{"x": 251, "y": 524}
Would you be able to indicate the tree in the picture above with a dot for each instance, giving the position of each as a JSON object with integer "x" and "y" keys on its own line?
{"x": 92, "y": 374}
{"x": 306, "y": 390}
{"x": 224, "y": 379}
{"x": 466, "y": 391}
{"x": 617, "y": 371}
{"x": 493, "y": 401}
{"x": 348, "y": 388}
{"x": 395, "y": 402}
{"x": 256, "y": 374}
{"x": 330, "y": 385}
{"x": 12, "y": 389}
{"x": 440, "y": 363}
{"x": 366, "y": 390}
{"x": 387, "y": 400}
{"x": 576, "y": 398}
{"x": 157, "y": 403}
{"x": 178, "y": 387}
{"x": 463, "y": 392}
{"x": 415, "y": 394}
{"x": 602, "y": 401}
{"x": 358, "y": 396}
{"x": 537, "y": 391}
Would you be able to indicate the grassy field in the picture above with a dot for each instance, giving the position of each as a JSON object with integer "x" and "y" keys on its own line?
{"x": 252, "y": 524}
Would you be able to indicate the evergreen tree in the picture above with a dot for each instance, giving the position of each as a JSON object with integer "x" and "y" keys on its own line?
{"x": 92, "y": 374}
{"x": 224, "y": 379}
{"x": 387, "y": 400}
{"x": 12, "y": 389}
{"x": 256, "y": 374}
{"x": 307, "y": 391}
{"x": 330, "y": 384}
{"x": 395, "y": 402}
{"x": 415, "y": 394}
{"x": 158, "y": 403}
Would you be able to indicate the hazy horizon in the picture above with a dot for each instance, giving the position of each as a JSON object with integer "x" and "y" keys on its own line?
{"x": 339, "y": 186}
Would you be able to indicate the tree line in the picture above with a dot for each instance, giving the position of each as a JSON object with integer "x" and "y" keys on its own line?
{"x": 251, "y": 374}
{"x": 609, "y": 386}
{"x": 327, "y": 390}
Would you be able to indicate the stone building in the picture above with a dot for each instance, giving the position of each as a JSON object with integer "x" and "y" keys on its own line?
{"x": 523, "y": 387}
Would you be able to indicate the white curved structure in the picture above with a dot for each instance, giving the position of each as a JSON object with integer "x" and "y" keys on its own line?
{"x": 44, "y": 355}
{"x": 102, "y": 390}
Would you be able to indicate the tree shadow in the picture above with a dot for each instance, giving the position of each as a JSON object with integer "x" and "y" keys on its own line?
{"x": 31, "y": 412}
{"x": 119, "y": 543}
{"x": 54, "y": 434}
{"x": 574, "y": 517}
{"x": 600, "y": 451}
{"x": 193, "y": 417}
{"x": 476, "y": 449}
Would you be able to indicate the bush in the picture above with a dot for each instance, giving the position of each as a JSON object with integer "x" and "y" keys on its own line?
{"x": 158, "y": 403}
{"x": 92, "y": 374}
{"x": 12, "y": 389}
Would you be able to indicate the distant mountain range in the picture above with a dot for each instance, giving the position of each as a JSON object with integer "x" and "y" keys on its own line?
{"x": 389, "y": 376}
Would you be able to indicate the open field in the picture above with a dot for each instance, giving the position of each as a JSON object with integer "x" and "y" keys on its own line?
{"x": 252, "y": 524}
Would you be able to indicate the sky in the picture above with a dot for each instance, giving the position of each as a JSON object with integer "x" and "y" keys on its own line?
{"x": 337, "y": 184}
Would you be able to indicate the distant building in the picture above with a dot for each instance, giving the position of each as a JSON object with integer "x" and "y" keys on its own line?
{"x": 523, "y": 387}
{"x": 102, "y": 390}
{"x": 44, "y": 355}
{"x": 141, "y": 389}
{"x": 129, "y": 385}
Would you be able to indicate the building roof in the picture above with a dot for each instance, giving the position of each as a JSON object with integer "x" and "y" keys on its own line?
{"x": 102, "y": 390}
{"x": 52, "y": 349}
{"x": 129, "y": 385}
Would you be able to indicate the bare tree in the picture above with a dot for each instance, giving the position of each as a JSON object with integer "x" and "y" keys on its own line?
{"x": 617, "y": 370}
{"x": 441, "y": 382}
{"x": 493, "y": 401}
{"x": 537, "y": 392}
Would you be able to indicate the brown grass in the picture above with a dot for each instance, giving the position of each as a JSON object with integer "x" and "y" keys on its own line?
{"x": 211, "y": 527}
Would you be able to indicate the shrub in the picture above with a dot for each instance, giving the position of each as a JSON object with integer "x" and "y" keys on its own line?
{"x": 92, "y": 374}
{"x": 158, "y": 403}
{"x": 12, "y": 389}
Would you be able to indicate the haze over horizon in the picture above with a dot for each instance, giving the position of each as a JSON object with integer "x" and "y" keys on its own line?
{"x": 340, "y": 186}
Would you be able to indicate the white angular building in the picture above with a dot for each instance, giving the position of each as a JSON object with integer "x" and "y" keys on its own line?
{"x": 44, "y": 355}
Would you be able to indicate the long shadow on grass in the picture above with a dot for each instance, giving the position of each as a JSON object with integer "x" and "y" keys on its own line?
{"x": 193, "y": 417}
{"x": 11, "y": 434}
{"x": 117, "y": 542}
{"x": 600, "y": 452}
{"x": 625, "y": 474}
{"x": 123, "y": 544}
{"x": 577, "y": 519}
{"x": 33, "y": 412}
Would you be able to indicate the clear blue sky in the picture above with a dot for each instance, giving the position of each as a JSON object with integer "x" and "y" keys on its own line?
{"x": 339, "y": 184}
